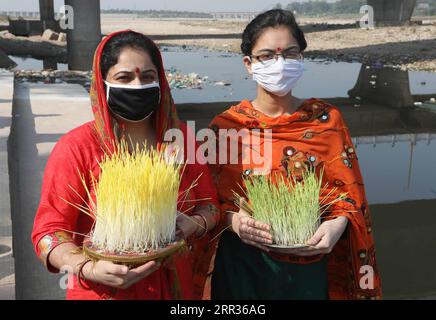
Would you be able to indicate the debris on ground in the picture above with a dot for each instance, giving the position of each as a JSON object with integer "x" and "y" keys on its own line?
{"x": 54, "y": 76}
{"x": 222, "y": 83}
{"x": 185, "y": 81}
{"x": 176, "y": 79}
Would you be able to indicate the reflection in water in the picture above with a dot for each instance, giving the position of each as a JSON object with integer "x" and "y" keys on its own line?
{"x": 387, "y": 86}
{"x": 28, "y": 63}
{"x": 50, "y": 64}
{"x": 405, "y": 240}
{"x": 229, "y": 68}
{"x": 399, "y": 170}
{"x": 398, "y": 167}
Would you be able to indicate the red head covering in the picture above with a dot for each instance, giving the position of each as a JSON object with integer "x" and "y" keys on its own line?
{"x": 166, "y": 116}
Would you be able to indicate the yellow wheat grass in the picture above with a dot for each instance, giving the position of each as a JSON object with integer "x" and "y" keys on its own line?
{"x": 293, "y": 209}
{"x": 136, "y": 200}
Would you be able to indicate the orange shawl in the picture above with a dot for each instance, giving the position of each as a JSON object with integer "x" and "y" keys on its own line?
{"x": 314, "y": 136}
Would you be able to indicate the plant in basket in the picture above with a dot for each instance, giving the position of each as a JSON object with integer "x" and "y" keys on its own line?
{"x": 292, "y": 207}
{"x": 135, "y": 209}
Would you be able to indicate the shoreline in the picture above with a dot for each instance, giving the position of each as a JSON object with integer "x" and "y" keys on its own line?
{"x": 409, "y": 48}
{"x": 390, "y": 60}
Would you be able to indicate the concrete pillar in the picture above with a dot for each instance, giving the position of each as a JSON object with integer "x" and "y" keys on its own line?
{"x": 46, "y": 10}
{"x": 392, "y": 12}
{"x": 386, "y": 86}
{"x": 7, "y": 273}
{"x": 83, "y": 38}
{"x": 50, "y": 64}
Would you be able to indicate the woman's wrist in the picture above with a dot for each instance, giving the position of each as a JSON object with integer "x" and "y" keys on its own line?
{"x": 233, "y": 221}
{"x": 343, "y": 220}
{"x": 210, "y": 213}
{"x": 201, "y": 224}
{"x": 86, "y": 271}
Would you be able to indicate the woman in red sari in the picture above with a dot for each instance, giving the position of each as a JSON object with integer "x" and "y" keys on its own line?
{"x": 130, "y": 99}
{"x": 339, "y": 262}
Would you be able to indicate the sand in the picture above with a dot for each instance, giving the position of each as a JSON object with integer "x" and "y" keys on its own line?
{"x": 409, "y": 47}
{"x": 339, "y": 39}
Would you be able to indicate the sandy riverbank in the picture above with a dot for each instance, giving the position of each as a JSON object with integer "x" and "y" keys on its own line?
{"x": 410, "y": 47}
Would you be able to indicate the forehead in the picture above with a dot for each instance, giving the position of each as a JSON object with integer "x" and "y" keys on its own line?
{"x": 275, "y": 38}
{"x": 133, "y": 59}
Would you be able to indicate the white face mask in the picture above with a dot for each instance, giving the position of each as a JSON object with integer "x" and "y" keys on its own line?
{"x": 278, "y": 76}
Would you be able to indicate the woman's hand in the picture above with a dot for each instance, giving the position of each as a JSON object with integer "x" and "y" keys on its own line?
{"x": 251, "y": 231}
{"x": 186, "y": 225}
{"x": 325, "y": 238}
{"x": 115, "y": 275}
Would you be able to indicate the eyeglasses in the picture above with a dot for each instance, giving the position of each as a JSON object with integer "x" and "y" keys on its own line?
{"x": 286, "y": 54}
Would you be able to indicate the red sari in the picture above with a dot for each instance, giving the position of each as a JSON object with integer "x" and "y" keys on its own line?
{"x": 78, "y": 152}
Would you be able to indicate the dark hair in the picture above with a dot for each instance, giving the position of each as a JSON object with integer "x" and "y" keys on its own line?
{"x": 270, "y": 19}
{"x": 129, "y": 39}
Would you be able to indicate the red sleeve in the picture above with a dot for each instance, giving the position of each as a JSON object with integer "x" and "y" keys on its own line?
{"x": 55, "y": 219}
{"x": 205, "y": 190}
{"x": 226, "y": 177}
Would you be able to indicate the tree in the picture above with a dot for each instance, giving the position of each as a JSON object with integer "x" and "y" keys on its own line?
{"x": 348, "y": 6}
{"x": 322, "y": 7}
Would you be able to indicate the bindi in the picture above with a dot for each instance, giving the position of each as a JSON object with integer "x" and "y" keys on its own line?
{"x": 137, "y": 71}
{"x": 279, "y": 49}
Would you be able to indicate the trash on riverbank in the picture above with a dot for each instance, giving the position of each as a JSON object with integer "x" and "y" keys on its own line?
{"x": 222, "y": 83}
{"x": 54, "y": 76}
{"x": 185, "y": 81}
{"x": 175, "y": 78}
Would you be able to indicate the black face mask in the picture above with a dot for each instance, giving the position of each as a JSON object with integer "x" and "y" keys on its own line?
{"x": 134, "y": 103}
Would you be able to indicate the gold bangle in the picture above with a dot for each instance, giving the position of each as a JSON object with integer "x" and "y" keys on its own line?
{"x": 206, "y": 227}
{"x": 80, "y": 275}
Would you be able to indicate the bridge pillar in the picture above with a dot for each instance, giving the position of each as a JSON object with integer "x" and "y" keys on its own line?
{"x": 82, "y": 40}
{"x": 392, "y": 12}
{"x": 385, "y": 86}
{"x": 46, "y": 12}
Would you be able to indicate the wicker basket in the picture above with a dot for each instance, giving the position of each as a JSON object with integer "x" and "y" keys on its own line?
{"x": 133, "y": 259}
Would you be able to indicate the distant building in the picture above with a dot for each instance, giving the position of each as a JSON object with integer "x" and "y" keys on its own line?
{"x": 234, "y": 15}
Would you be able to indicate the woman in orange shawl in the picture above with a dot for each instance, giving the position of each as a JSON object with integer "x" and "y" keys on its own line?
{"x": 130, "y": 99}
{"x": 304, "y": 134}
